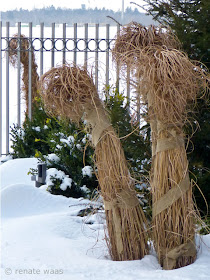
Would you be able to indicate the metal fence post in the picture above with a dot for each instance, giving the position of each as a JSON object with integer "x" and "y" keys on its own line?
{"x": 30, "y": 72}
{"x": 107, "y": 54}
{"x": 7, "y": 88}
{"x": 118, "y": 67}
{"x": 64, "y": 43}
{"x": 75, "y": 43}
{"x": 0, "y": 88}
{"x": 96, "y": 54}
{"x": 128, "y": 89}
{"x": 138, "y": 108}
{"x": 53, "y": 46}
{"x": 18, "y": 73}
{"x": 86, "y": 46}
{"x": 42, "y": 48}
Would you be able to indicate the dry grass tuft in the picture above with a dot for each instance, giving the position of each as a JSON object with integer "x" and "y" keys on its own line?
{"x": 168, "y": 81}
{"x": 66, "y": 90}
{"x": 24, "y": 59}
{"x": 134, "y": 37}
{"x": 14, "y": 46}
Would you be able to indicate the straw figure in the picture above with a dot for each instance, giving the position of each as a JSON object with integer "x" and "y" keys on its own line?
{"x": 167, "y": 81}
{"x": 69, "y": 92}
{"x": 23, "y": 45}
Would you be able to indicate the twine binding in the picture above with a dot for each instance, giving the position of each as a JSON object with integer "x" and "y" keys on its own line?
{"x": 171, "y": 196}
{"x": 124, "y": 200}
{"x": 187, "y": 249}
{"x": 99, "y": 122}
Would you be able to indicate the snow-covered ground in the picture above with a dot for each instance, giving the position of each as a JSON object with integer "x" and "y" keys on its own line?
{"x": 43, "y": 238}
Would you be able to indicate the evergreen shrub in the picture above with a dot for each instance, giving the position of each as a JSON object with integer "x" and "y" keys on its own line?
{"x": 70, "y": 158}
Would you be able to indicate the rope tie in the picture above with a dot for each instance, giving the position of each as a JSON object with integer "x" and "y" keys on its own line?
{"x": 171, "y": 196}
{"x": 99, "y": 122}
{"x": 187, "y": 249}
{"x": 124, "y": 200}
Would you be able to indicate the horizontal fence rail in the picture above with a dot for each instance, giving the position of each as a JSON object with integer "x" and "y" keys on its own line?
{"x": 85, "y": 45}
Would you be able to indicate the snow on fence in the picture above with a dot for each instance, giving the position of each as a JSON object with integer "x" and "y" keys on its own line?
{"x": 84, "y": 44}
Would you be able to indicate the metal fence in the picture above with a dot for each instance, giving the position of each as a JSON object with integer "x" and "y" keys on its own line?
{"x": 81, "y": 44}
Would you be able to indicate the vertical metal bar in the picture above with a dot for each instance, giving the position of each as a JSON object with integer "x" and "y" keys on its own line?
{"x": 118, "y": 67}
{"x": 86, "y": 45}
{"x": 75, "y": 43}
{"x": 30, "y": 72}
{"x": 107, "y": 54}
{"x": 122, "y": 12}
{"x": 53, "y": 46}
{"x": 128, "y": 89}
{"x": 18, "y": 73}
{"x": 7, "y": 89}
{"x": 96, "y": 54}
{"x": 42, "y": 47}
{"x": 0, "y": 88}
{"x": 64, "y": 43}
{"x": 138, "y": 108}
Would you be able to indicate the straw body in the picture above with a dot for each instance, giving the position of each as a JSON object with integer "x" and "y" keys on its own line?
{"x": 172, "y": 204}
{"x": 167, "y": 81}
{"x": 126, "y": 223}
{"x": 70, "y": 93}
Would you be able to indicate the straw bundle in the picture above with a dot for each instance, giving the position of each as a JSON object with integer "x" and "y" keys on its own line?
{"x": 134, "y": 37}
{"x": 67, "y": 91}
{"x": 70, "y": 92}
{"x": 167, "y": 80}
{"x": 125, "y": 218}
{"x": 24, "y": 59}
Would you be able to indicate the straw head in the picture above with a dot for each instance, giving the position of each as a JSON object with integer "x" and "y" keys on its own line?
{"x": 67, "y": 91}
{"x": 169, "y": 82}
{"x": 134, "y": 37}
{"x": 163, "y": 75}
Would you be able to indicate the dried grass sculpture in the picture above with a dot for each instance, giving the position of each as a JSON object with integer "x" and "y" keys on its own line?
{"x": 167, "y": 80}
{"x": 69, "y": 92}
{"x": 24, "y": 59}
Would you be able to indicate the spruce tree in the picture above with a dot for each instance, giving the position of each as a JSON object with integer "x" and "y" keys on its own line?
{"x": 191, "y": 22}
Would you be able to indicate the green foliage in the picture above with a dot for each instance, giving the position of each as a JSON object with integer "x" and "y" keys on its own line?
{"x": 135, "y": 141}
{"x": 69, "y": 157}
{"x": 205, "y": 226}
{"x": 62, "y": 146}
{"x": 70, "y": 153}
{"x": 191, "y": 22}
{"x": 199, "y": 156}
{"x": 25, "y": 139}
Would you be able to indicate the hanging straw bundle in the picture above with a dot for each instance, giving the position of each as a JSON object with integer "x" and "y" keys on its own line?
{"x": 167, "y": 80}
{"x": 24, "y": 59}
{"x": 70, "y": 92}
